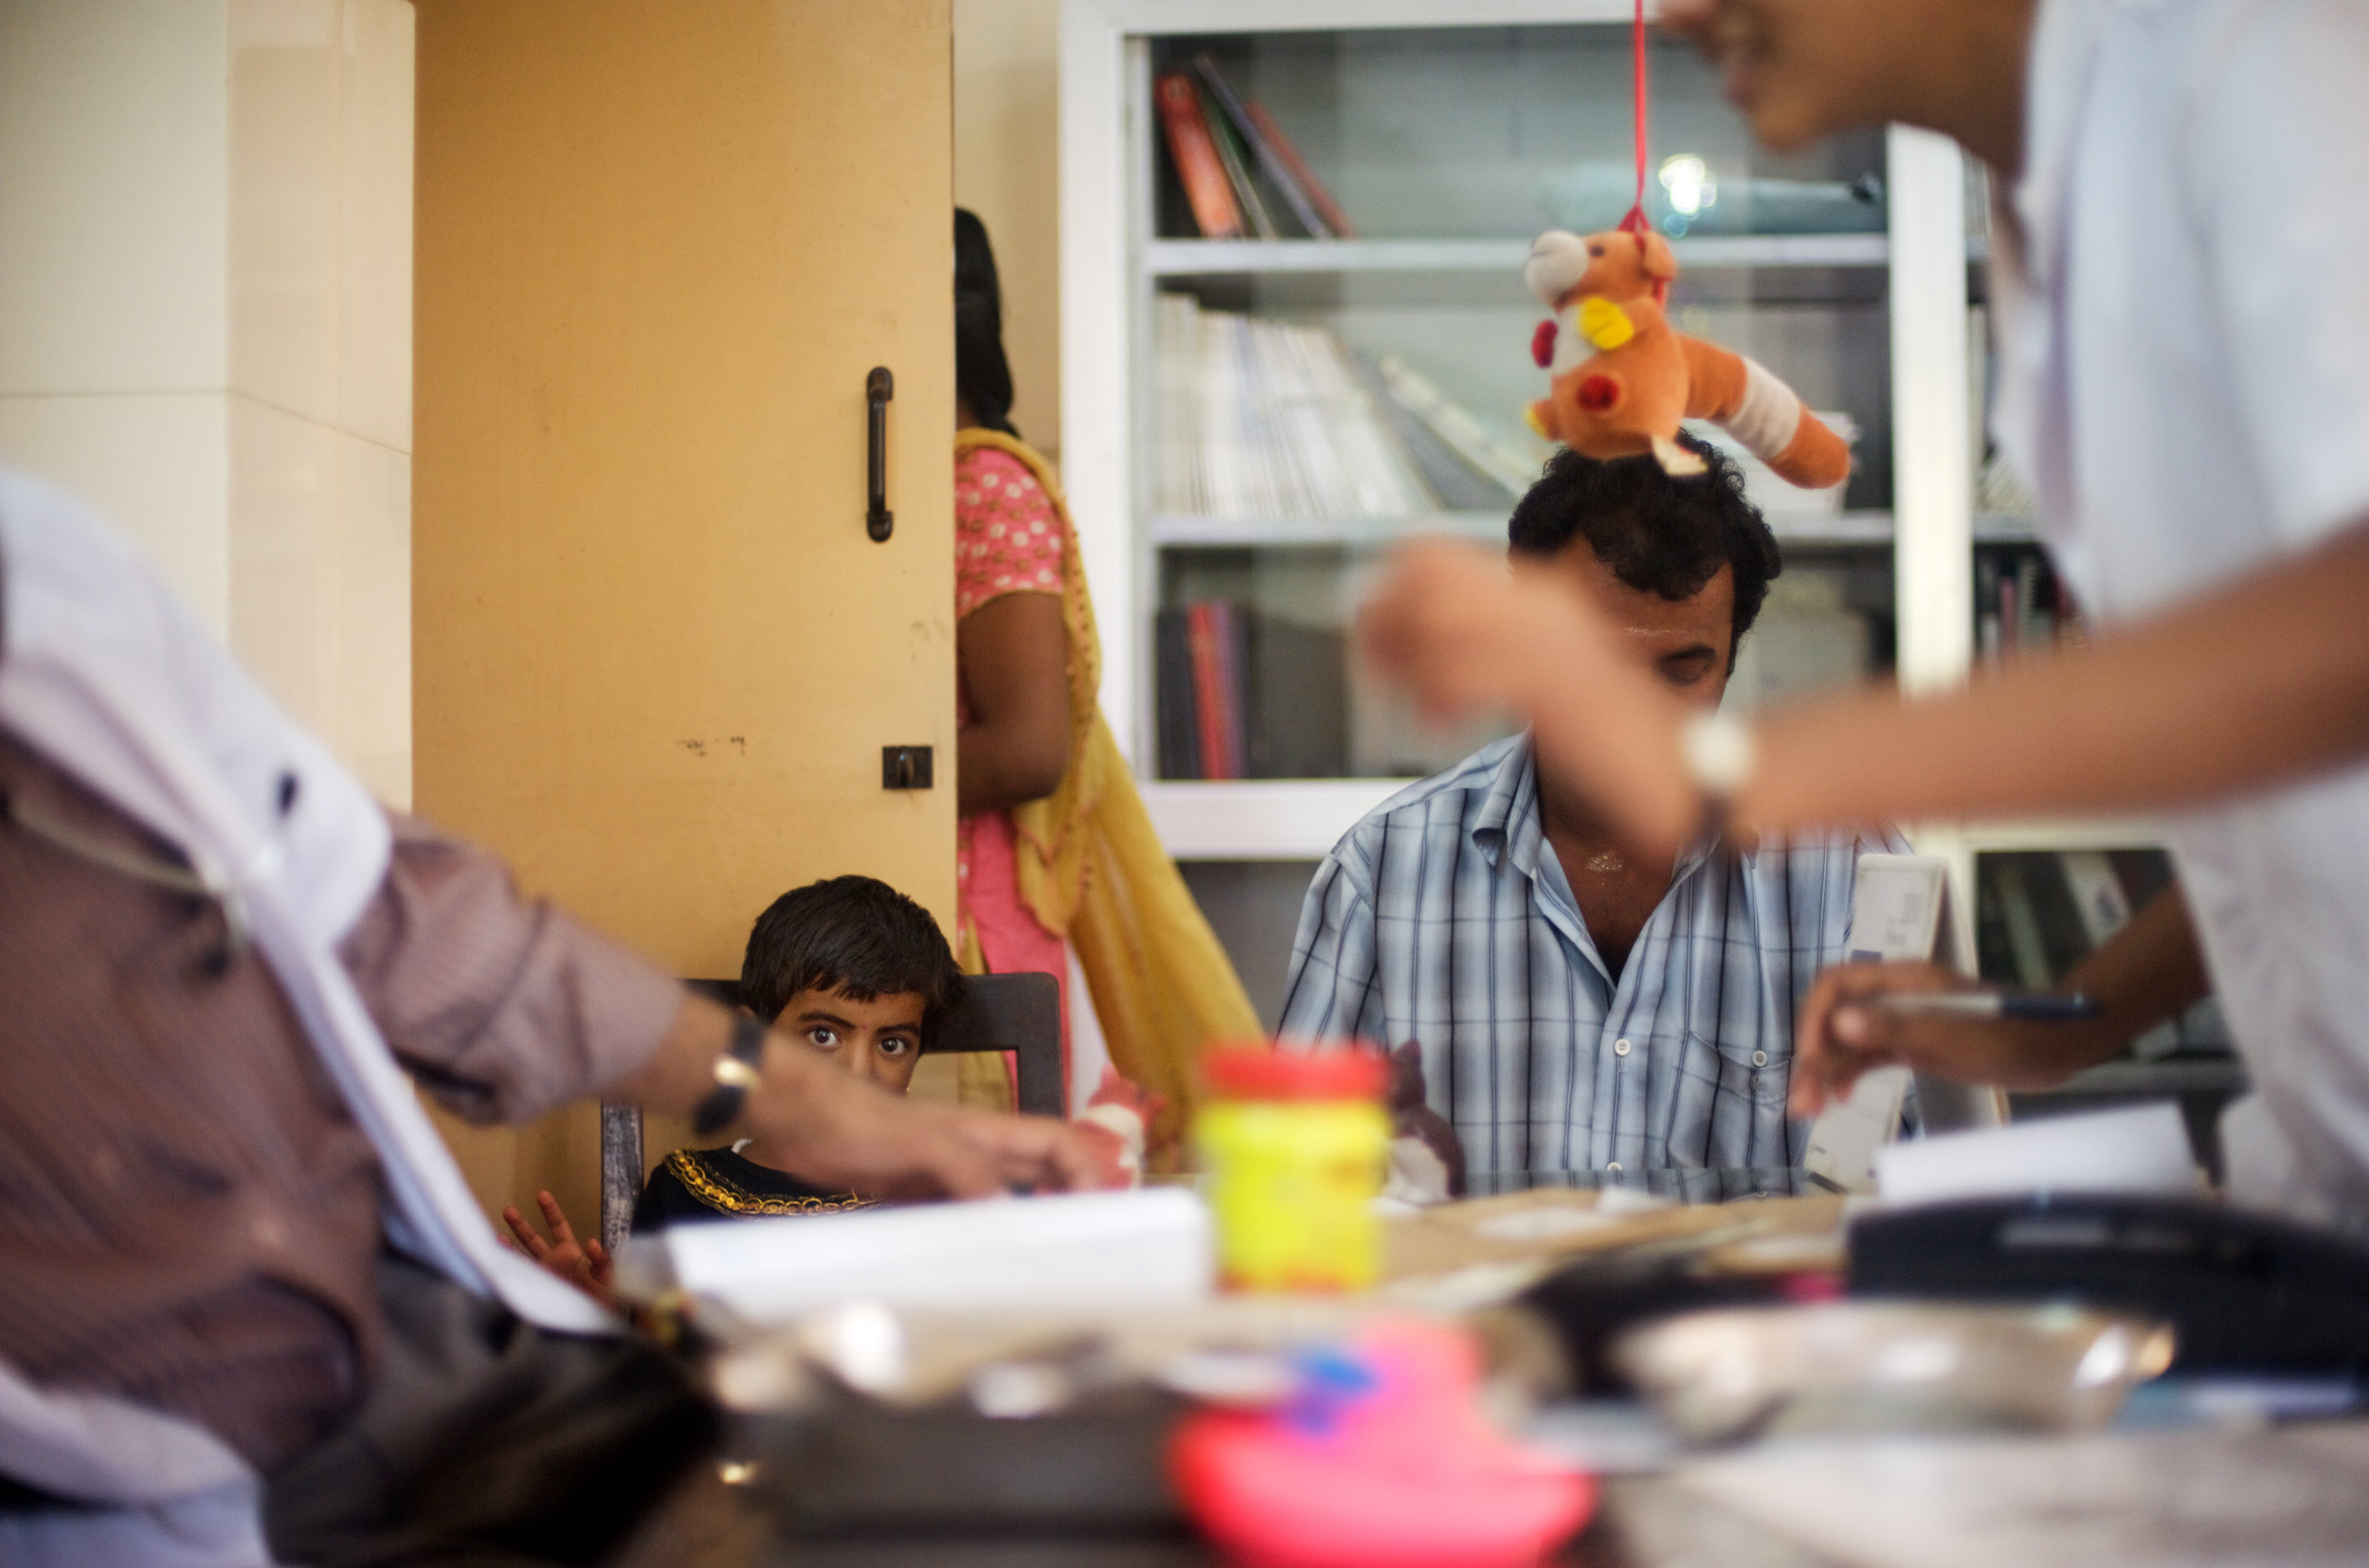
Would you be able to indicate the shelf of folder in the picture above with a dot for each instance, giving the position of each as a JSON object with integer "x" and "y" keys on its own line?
{"x": 2002, "y": 527}
{"x": 1216, "y": 257}
{"x": 1172, "y": 530}
{"x": 1260, "y": 818}
{"x": 1806, "y": 530}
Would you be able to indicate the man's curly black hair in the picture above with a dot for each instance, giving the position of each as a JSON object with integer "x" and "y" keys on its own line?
{"x": 1659, "y": 534}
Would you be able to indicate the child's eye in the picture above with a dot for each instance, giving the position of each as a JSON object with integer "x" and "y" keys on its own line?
{"x": 892, "y": 1046}
{"x": 821, "y": 1038}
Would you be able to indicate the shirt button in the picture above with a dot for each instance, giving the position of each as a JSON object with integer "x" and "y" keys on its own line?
{"x": 1759, "y": 1058}
{"x": 1615, "y": 1166}
{"x": 1619, "y": 1048}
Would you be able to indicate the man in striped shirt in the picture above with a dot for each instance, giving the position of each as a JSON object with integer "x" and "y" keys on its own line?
{"x": 1580, "y": 1006}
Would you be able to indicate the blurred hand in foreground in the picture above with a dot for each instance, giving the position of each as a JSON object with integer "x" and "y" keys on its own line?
{"x": 1842, "y": 1034}
{"x": 1465, "y": 633}
{"x": 843, "y": 1131}
{"x": 846, "y": 1132}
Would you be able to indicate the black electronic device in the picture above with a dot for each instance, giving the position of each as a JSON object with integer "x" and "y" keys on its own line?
{"x": 2243, "y": 1292}
{"x": 1590, "y": 1303}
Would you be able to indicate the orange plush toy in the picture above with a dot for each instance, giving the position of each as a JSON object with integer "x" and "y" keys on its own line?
{"x": 1626, "y": 397}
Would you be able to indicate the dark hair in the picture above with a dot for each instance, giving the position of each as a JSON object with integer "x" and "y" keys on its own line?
{"x": 856, "y": 935}
{"x": 982, "y": 374}
{"x": 1658, "y": 534}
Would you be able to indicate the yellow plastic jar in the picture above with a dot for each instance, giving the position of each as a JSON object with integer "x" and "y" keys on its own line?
{"x": 1295, "y": 1147}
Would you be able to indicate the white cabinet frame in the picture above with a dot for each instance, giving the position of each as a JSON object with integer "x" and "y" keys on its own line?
{"x": 1109, "y": 265}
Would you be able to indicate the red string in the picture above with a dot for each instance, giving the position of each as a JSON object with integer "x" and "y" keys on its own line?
{"x": 1637, "y": 222}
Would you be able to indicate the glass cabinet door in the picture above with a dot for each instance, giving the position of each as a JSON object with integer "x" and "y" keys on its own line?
{"x": 1332, "y": 351}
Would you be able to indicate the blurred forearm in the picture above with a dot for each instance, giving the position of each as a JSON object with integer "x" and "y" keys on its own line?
{"x": 2257, "y": 684}
{"x": 2150, "y": 970}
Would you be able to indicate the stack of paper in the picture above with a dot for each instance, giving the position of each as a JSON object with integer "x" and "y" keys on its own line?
{"x": 1265, "y": 419}
{"x": 1090, "y": 1250}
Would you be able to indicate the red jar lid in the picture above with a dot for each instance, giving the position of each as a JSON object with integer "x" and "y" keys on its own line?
{"x": 1263, "y": 1072}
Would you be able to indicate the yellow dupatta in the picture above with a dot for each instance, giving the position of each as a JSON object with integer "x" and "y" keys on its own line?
{"x": 1092, "y": 868}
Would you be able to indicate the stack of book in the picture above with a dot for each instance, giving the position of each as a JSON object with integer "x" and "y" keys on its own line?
{"x": 1245, "y": 694}
{"x": 1241, "y": 175}
{"x": 1269, "y": 419}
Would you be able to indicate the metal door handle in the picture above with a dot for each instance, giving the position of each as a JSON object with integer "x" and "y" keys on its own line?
{"x": 879, "y": 388}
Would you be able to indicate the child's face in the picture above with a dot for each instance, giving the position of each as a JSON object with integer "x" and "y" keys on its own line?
{"x": 880, "y": 1039}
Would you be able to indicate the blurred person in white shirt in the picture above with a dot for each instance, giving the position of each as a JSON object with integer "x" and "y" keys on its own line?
{"x": 2179, "y": 286}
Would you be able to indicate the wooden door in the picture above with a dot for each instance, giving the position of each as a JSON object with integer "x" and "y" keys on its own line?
{"x": 655, "y": 656}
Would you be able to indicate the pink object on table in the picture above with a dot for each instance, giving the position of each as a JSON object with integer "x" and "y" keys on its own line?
{"x": 1383, "y": 1460}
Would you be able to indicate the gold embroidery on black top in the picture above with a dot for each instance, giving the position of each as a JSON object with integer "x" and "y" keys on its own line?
{"x": 720, "y": 1192}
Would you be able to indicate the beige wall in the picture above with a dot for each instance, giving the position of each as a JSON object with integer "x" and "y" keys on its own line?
{"x": 1007, "y": 168}
{"x": 657, "y": 652}
{"x": 205, "y": 320}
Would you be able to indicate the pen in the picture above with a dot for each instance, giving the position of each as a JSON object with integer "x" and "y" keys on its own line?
{"x": 2034, "y": 1006}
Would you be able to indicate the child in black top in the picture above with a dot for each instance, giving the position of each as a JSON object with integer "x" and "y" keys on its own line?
{"x": 856, "y": 970}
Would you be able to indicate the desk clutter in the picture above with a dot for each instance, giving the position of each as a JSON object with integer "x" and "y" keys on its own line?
{"x": 1479, "y": 1375}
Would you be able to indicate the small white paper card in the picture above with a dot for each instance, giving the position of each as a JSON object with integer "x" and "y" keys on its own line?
{"x": 1146, "y": 1248}
{"x": 1898, "y": 903}
{"x": 2144, "y": 1150}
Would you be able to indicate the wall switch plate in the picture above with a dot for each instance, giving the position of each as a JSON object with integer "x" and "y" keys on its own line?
{"x": 905, "y": 767}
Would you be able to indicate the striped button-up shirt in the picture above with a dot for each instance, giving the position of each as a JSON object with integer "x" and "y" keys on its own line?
{"x": 1445, "y": 917}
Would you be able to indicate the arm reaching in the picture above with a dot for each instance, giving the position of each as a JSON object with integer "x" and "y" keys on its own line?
{"x": 2197, "y": 703}
{"x": 849, "y": 1132}
{"x": 2148, "y": 972}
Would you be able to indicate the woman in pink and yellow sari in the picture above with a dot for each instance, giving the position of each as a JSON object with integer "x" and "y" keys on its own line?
{"x": 1054, "y": 851}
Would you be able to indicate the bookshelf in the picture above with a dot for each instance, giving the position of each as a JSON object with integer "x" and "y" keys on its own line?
{"x": 1216, "y": 257}
{"x": 1445, "y": 131}
{"x": 1439, "y": 127}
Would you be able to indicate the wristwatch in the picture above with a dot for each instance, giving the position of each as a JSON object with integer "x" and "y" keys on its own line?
{"x": 1720, "y": 754}
{"x": 735, "y": 1075}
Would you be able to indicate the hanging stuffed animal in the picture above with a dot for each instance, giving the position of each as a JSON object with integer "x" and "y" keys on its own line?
{"x": 1624, "y": 377}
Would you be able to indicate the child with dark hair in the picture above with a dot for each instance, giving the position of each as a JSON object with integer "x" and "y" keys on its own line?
{"x": 858, "y": 972}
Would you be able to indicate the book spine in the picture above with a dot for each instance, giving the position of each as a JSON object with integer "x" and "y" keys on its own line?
{"x": 1336, "y": 223}
{"x": 1253, "y": 136}
{"x": 1200, "y": 630}
{"x": 1180, "y": 749}
{"x": 1234, "y": 654}
{"x": 1990, "y": 637}
{"x": 1196, "y": 158}
{"x": 1237, "y": 164}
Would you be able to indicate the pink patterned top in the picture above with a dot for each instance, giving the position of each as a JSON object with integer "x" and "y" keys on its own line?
{"x": 1007, "y": 539}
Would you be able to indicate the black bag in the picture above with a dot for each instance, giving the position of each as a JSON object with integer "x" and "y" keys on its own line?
{"x": 487, "y": 1442}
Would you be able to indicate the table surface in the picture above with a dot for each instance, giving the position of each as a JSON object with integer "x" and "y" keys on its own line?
{"x": 1722, "y": 1185}
{"x": 2292, "y": 1494}
{"x": 1641, "y": 1521}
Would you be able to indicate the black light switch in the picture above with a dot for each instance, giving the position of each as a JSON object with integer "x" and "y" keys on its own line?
{"x": 904, "y": 767}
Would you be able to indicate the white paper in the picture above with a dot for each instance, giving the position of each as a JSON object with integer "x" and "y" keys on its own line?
{"x": 1145, "y": 1247}
{"x": 1896, "y": 907}
{"x": 2294, "y": 1496}
{"x": 2144, "y": 1150}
